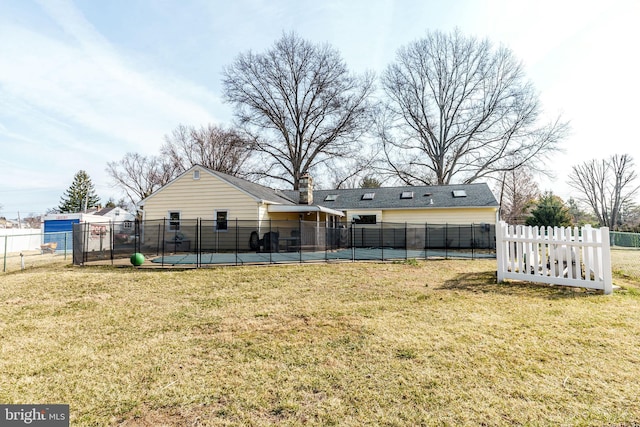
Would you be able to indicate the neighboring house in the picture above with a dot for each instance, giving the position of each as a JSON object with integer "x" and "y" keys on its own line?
{"x": 121, "y": 219}
{"x": 200, "y": 193}
{"x": 11, "y": 223}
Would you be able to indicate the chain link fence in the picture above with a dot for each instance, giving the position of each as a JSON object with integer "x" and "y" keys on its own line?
{"x": 23, "y": 248}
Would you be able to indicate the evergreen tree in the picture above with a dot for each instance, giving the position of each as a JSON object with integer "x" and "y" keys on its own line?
{"x": 550, "y": 211}
{"x": 80, "y": 195}
{"x": 580, "y": 217}
{"x": 370, "y": 182}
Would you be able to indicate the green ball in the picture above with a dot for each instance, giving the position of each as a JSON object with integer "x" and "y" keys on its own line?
{"x": 137, "y": 259}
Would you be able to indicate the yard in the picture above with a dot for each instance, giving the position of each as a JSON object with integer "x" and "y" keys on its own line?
{"x": 411, "y": 343}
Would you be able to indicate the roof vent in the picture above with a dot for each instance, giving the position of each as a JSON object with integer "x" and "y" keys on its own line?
{"x": 459, "y": 193}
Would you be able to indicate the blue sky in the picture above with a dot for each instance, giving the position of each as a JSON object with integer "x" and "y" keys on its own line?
{"x": 84, "y": 82}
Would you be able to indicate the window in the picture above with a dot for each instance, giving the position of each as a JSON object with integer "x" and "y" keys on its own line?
{"x": 459, "y": 193}
{"x": 174, "y": 220}
{"x": 127, "y": 224}
{"x": 222, "y": 220}
{"x": 406, "y": 195}
{"x": 364, "y": 219}
{"x": 331, "y": 198}
{"x": 196, "y": 174}
{"x": 368, "y": 196}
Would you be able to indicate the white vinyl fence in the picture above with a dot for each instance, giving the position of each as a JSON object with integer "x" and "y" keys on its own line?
{"x": 17, "y": 240}
{"x": 559, "y": 256}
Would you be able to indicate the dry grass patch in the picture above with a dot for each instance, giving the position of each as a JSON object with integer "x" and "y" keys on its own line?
{"x": 437, "y": 343}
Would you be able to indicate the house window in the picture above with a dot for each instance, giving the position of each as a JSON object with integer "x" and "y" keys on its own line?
{"x": 174, "y": 220}
{"x": 127, "y": 224}
{"x": 364, "y": 219}
{"x": 222, "y": 220}
{"x": 368, "y": 196}
{"x": 196, "y": 174}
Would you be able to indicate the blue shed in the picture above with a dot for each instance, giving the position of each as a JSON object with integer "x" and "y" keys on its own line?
{"x": 58, "y": 228}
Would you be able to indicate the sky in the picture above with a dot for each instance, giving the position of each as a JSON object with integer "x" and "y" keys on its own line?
{"x": 83, "y": 82}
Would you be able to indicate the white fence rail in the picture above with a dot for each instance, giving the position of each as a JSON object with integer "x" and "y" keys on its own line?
{"x": 559, "y": 256}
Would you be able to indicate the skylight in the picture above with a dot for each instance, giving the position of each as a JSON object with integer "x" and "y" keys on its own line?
{"x": 368, "y": 196}
{"x": 331, "y": 198}
{"x": 406, "y": 195}
{"x": 459, "y": 193}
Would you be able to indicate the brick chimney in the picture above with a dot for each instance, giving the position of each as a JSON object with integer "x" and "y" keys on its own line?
{"x": 306, "y": 190}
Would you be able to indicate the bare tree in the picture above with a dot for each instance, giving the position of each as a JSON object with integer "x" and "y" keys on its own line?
{"x": 460, "y": 110}
{"x": 518, "y": 193}
{"x": 300, "y": 104}
{"x": 606, "y": 186}
{"x": 348, "y": 172}
{"x": 212, "y": 146}
{"x": 139, "y": 176}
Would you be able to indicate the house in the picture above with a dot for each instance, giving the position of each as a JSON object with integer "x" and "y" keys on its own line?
{"x": 121, "y": 219}
{"x": 212, "y": 202}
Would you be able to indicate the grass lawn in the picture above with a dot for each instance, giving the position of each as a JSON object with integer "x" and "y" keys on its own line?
{"x": 426, "y": 343}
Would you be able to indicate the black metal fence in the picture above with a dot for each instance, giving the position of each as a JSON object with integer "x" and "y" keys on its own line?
{"x": 201, "y": 242}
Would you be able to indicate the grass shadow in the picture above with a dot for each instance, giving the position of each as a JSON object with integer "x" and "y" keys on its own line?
{"x": 486, "y": 282}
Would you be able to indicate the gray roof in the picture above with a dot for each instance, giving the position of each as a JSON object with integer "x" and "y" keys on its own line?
{"x": 477, "y": 195}
{"x": 104, "y": 211}
{"x": 258, "y": 191}
{"x": 432, "y": 196}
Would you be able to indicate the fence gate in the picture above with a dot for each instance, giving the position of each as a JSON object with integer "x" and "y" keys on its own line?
{"x": 558, "y": 255}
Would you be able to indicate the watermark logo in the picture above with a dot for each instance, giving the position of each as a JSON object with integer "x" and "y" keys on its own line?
{"x": 34, "y": 415}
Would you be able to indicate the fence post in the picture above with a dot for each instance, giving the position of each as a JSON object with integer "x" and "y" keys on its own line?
{"x": 112, "y": 239}
{"x": 197, "y": 242}
{"x": 353, "y": 242}
{"x": 137, "y": 235}
{"x": 406, "y": 242}
{"x": 237, "y": 240}
{"x": 426, "y": 240}
{"x": 473, "y": 240}
{"x": 270, "y": 244}
{"x": 606, "y": 261}
{"x": 500, "y": 250}
{"x": 446, "y": 240}
{"x": 381, "y": 241}
{"x": 6, "y": 237}
{"x": 164, "y": 230}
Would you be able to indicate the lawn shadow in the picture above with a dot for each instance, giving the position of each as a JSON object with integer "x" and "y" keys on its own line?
{"x": 486, "y": 282}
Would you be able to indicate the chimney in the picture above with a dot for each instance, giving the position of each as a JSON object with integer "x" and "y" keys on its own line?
{"x": 306, "y": 190}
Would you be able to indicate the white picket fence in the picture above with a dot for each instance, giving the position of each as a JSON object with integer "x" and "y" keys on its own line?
{"x": 558, "y": 255}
